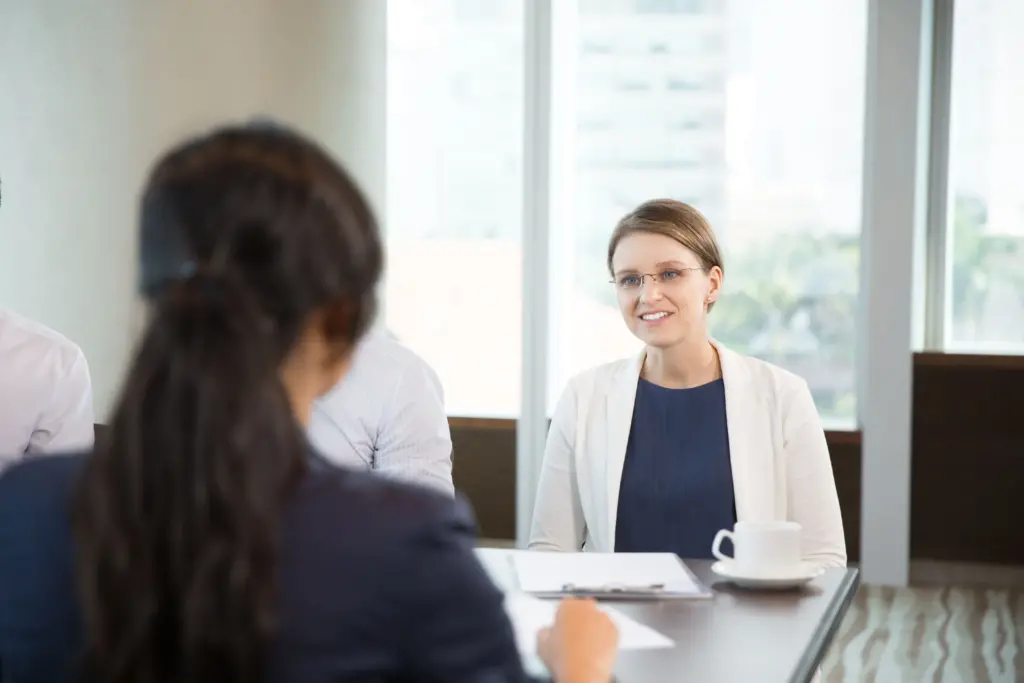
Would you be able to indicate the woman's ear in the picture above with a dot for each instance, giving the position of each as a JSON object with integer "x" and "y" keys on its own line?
{"x": 715, "y": 277}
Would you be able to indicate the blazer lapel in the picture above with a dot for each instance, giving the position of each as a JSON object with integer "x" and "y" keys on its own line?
{"x": 741, "y": 410}
{"x": 621, "y": 398}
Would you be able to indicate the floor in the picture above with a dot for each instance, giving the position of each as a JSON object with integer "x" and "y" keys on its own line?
{"x": 934, "y": 634}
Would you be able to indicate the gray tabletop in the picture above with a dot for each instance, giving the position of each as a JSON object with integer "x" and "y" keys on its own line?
{"x": 740, "y": 635}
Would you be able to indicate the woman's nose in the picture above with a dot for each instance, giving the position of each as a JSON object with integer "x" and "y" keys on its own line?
{"x": 650, "y": 289}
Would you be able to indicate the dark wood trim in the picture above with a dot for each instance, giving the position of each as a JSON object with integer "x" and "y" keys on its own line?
{"x": 843, "y": 438}
{"x": 967, "y": 473}
{"x": 481, "y": 423}
{"x": 843, "y": 435}
{"x": 961, "y": 361}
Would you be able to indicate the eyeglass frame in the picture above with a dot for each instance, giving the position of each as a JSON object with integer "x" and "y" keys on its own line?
{"x": 654, "y": 277}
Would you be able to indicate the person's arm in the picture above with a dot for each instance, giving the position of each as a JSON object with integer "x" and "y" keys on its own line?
{"x": 558, "y": 522}
{"x": 457, "y": 629}
{"x": 66, "y": 423}
{"x": 413, "y": 441}
{"x": 813, "y": 501}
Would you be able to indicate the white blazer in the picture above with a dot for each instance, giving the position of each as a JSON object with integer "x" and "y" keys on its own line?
{"x": 780, "y": 463}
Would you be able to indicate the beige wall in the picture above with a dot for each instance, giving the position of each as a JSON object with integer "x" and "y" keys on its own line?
{"x": 92, "y": 90}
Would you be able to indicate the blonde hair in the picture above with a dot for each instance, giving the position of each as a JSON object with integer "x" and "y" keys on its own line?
{"x": 673, "y": 219}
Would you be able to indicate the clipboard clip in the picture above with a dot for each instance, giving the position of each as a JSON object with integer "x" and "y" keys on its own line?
{"x": 614, "y": 589}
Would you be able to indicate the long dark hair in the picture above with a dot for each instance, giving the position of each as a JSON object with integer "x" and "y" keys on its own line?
{"x": 246, "y": 234}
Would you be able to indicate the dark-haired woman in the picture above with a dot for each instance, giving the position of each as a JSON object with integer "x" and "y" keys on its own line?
{"x": 204, "y": 542}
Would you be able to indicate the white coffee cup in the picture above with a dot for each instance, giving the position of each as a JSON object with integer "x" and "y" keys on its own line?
{"x": 762, "y": 549}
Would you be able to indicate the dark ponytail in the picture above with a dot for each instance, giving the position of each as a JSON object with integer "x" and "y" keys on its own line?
{"x": 178, "y": 516}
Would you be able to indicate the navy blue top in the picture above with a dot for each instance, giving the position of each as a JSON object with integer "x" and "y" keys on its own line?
{"x": 379, "y": 582}
{"x": 676, "y": 490}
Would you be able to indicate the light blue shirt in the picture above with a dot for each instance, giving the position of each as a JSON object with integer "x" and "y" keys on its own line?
{"x": 387, "y": 415}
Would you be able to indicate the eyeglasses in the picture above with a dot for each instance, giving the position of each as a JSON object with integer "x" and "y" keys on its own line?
{"x": 632, "y": 281}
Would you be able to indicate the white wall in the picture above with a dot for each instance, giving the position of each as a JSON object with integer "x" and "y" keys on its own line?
{"x": 91, "y": 91}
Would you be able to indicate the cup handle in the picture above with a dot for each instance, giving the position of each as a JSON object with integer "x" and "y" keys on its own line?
{"x": 716, "y": 545}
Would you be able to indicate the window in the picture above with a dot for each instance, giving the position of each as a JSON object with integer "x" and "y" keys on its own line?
{"x": 985, "y": 223}
{"x": 669, "y": 6}
{"x": 770, "y": 150}
{"x": 453, "y": 216}
{"x": 685, "y": 85}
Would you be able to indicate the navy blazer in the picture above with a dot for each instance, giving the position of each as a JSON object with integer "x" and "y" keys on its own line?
{"x": 379, "y": 583}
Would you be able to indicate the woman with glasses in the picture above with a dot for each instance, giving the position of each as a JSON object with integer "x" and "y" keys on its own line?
{"x": 204, "y": 541}
{"x": 657, "y": 453}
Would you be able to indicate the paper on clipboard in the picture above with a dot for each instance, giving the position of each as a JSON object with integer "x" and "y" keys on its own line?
{"x": 622, "y": 575}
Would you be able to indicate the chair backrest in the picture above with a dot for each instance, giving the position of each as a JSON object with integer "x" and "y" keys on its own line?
{"x": 100, "y": 433}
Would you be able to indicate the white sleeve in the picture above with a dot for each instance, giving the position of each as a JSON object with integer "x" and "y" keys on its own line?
{"x": 558, "y": 522}
{"x": 67, "y": 422}
{"x": 414, "y": 441}
{"x": 813, "y": 501}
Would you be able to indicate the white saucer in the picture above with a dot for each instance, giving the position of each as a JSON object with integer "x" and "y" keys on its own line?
{"x": 727, "y": 570}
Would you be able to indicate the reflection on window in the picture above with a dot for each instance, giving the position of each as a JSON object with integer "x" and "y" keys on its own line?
{"x": 597, "y": 49}
{"x": 595, "y": 125}
{"x": 688, "y": 124}
{"x": 474, "y": 10}
{"x": 454, "y": 204}
{"x": 634, "y": 85}
{"x": 985, "y": 293}
{"x": 769, "y": 149}
{"x": 680, "y": 84}
{"x": 669, "y": 6}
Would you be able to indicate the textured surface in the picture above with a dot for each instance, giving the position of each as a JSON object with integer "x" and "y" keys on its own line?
{"x": 930, "y": 634}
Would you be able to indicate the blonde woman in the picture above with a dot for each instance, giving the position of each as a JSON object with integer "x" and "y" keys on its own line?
{"x": 658, "y": 452}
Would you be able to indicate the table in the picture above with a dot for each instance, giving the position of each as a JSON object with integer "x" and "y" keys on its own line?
{"x": 738, "y": 636}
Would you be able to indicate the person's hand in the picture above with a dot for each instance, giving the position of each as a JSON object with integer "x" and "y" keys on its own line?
{"x": 581, "y": 646}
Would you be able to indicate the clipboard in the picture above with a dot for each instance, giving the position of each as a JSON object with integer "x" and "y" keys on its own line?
{"x": 607, "y": 576}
